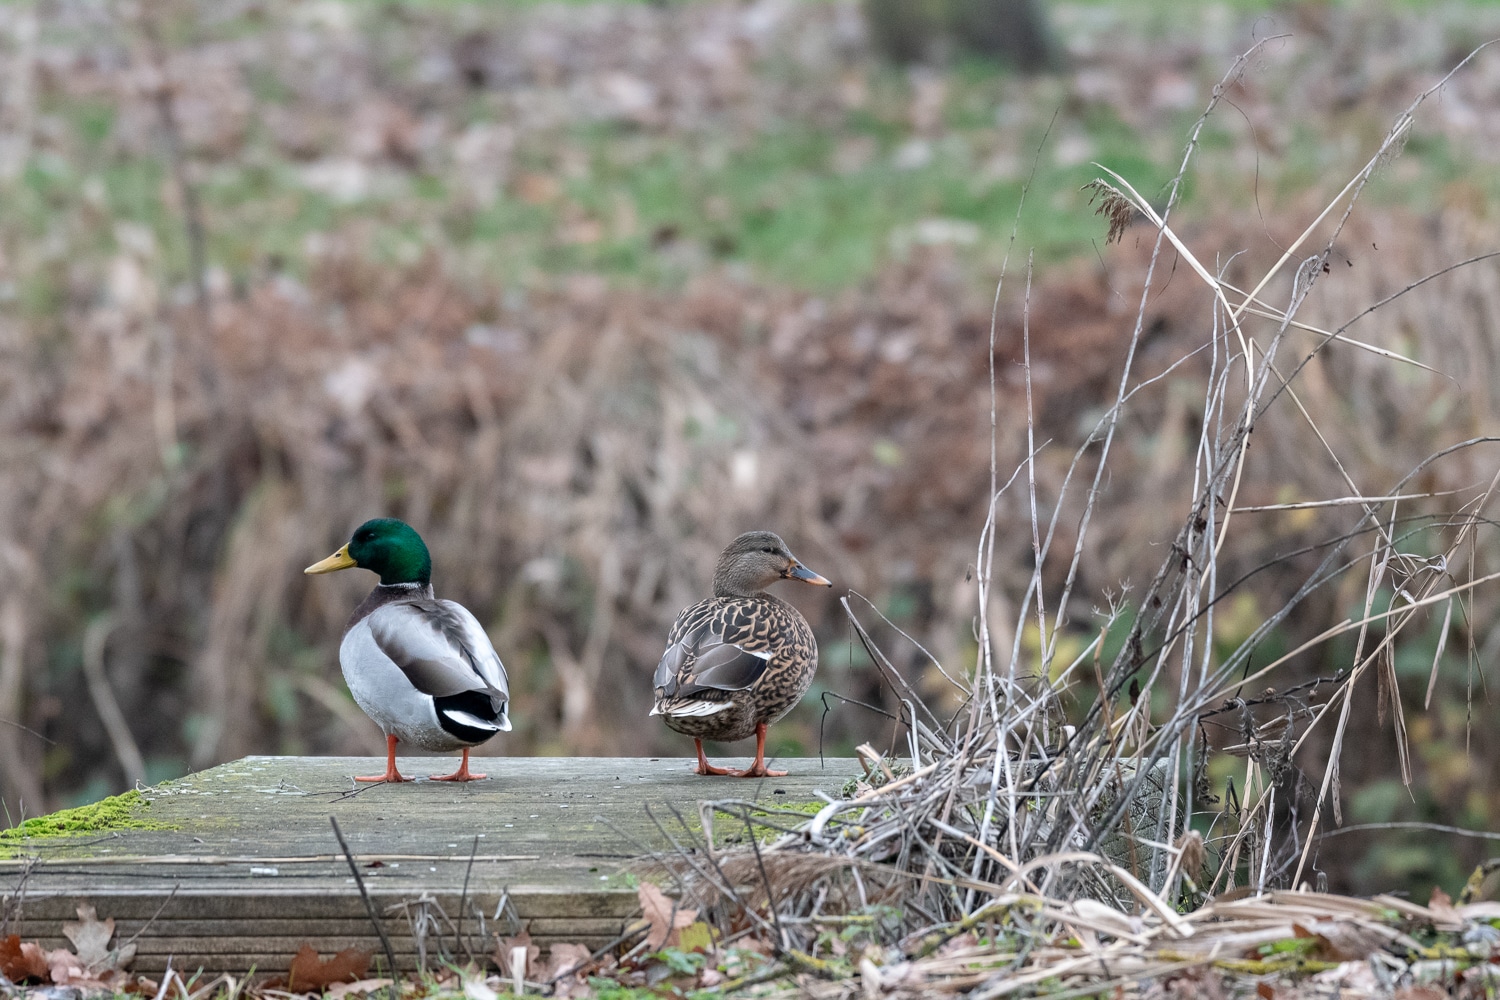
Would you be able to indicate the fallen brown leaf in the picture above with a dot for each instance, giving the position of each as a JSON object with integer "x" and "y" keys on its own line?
{"x": 570, "y": 959}
{"x": 22, "y": 960}
{"x": 90, "y": 937}
{"x": 1445, "y": 916}
{"x": 65, "y": 969}
{"x": 757, "y": 944}
{"x": 562, "y": 958}
{"x": 93, "y": 966}
{"x": 503, "y": 948}
{"x": 666, "y": 917}
{"x": 1342, "y": 941}
{"x": 310, "y": 972}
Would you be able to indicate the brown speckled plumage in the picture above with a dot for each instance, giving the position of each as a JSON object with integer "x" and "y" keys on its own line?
{"x": 755, "y": 624}
{"x": 742, "y": 659}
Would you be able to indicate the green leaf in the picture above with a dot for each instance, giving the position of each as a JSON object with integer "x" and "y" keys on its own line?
{"x": 696, "y": 937}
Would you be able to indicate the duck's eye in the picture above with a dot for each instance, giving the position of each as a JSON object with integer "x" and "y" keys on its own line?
{"x": 769, "y": 551}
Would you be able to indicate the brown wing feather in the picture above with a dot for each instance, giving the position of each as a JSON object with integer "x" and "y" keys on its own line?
{"x": 713, "y": 646}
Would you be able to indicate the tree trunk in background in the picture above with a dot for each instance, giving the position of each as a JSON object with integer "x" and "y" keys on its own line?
{"x": 1009, "y": 31}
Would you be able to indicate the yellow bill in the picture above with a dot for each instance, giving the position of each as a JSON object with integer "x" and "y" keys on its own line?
{"x": 339, "y": 560}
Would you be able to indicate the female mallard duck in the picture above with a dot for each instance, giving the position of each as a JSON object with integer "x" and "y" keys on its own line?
{"x": 422, "y": 668}
{"x": 742, "y": 659}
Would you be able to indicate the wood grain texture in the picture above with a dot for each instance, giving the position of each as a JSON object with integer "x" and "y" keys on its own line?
{"x": 252, "y": 868}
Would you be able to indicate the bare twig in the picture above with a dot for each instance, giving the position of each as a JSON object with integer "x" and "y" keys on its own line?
{"x": 364, "y": 894}
{"x": 460, "y": 942}
{"x": 144, "y": 926}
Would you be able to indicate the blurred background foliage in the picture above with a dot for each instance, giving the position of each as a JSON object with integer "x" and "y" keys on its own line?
{"x": 582, "y": 290}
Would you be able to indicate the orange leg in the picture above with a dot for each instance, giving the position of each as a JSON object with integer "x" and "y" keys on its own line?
{"x": 462, "y": 774}
{"x": 759, "y": 769}
{"x": 391, "y": 774}
{"x": 704, "y": 767}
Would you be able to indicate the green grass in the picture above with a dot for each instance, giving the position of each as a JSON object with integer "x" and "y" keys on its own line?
{"x": 814, "y": 204}
{"x": 787, "y": 203}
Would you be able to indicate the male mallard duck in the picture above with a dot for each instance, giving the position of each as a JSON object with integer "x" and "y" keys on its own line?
{"x": 742, "y": 659}
{"x": 422, "y": 668}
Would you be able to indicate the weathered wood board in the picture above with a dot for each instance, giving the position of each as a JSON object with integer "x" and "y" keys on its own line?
{"x": 250, "y": 869}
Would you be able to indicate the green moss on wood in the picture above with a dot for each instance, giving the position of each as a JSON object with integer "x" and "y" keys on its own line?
{"x": 118, "y": 812}
{"x": 776, "y": 820}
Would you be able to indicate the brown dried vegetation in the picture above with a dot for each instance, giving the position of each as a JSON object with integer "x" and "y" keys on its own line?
{"x": 576, "y": 451}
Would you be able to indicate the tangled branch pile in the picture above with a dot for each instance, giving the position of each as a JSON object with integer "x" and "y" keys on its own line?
{"x": 1016, "y": 848}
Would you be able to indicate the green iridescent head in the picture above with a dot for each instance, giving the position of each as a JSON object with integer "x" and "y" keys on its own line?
{"x": 385, "y": 546}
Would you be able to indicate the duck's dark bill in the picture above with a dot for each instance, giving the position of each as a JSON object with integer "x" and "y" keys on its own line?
{"x": 800, "y": 572}
{"x": 339, "y": 560}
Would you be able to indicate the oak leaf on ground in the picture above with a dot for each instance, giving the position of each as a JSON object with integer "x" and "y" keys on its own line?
{"x": 91, "y": 937}
{"x": 311, "y": 972}
{"x": 666, "y": 917}
{"x": 93, "y": 965}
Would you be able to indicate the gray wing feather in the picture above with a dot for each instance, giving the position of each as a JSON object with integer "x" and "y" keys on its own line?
{"x": 671, "y": 664}
{"x": 476, "y": 645}
{"x": 704, "y": 661}
{"x": 728, "y": 668}
{"x": 442, "y": 651}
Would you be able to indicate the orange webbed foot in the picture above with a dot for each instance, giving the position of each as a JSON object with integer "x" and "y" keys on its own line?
{"x": 708, "y": 769}
{"x": 462, "y": 774}
{"x": 758, "y": 769}
{"x": 391, "y": 775}
{"x": 704, "y": 767}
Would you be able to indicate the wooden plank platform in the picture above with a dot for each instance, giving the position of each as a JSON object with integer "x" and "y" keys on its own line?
{"x": 250, "y": 869}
